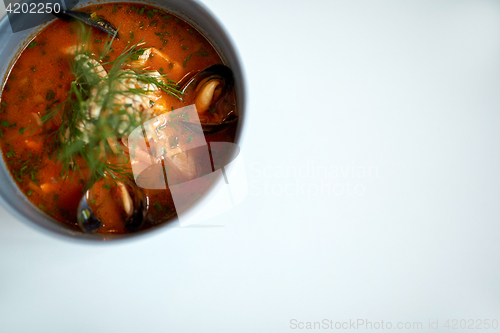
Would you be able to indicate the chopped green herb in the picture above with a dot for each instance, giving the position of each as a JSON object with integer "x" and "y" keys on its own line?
{"x": 86, "y": 213}
{"x": 21, "y": 130}
{"x": 186, "y": 60}
{"x": 115, "y": 8}
{"x": 151, "y": 103}
{"x": 1, "y": 133}
{"x": 150, "y": 14}
{"x": 107, "y": 187}
{"x": 33, "y": 69}
{"x": 131, "y": 35}
{"x": 141, "y": 11}
{"x": 29, "y": 192}
{"x": 169, "y": 35}
{"x": 141, "y": 24}
{"x": 32, "y": 44}
{"x": 184, "y": 47}
{"x": 202, "y": 53}
{"x": 43, "y": 52}
{"x": 155, "y": 10}
{"x": 98, "y": 41}
{"x": 50, "y": 95}
{"x": 152, "y": 23}
{"x": 212, "y": 110}
{"x": 157, "y": 205}
{"x": 165, "y": 41}
{"x": 10, "y": 153}
{"x": 190, "y": 138}
{"x": 159, "y": 33}
{"x": 99, "y": 7}
{"x": 161, "y": 70}
{"x": 191, "y": 31}
{"x": 4, "y": 123}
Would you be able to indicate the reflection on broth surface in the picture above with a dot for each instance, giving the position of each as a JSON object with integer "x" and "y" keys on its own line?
{"x": 75, "y": 95}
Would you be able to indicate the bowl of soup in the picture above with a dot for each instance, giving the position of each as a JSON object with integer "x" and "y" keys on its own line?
{"x": 107, "y": 136}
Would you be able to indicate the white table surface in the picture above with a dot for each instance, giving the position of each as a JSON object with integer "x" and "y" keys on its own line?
{"x": 406, "y": 94}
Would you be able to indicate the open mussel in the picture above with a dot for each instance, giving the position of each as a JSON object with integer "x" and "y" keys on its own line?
{"x": 127, "y": 201}
{"x": 208, "y": 91}
{"x": 90, "y": 19}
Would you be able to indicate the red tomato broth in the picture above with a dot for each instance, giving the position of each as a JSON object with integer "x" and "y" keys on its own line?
{"x": 41, "y": 76}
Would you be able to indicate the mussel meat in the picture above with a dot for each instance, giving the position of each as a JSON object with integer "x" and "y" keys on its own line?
{"x": 129, "y": 206}
{"x": 208, "y": 90}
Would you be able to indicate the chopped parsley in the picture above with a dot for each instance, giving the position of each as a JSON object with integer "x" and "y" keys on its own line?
{"x": 32, "y": 44}
{"x": 186, "y": 60}
{"x": 202, "y": 53}
{"x": 50, "y": 95}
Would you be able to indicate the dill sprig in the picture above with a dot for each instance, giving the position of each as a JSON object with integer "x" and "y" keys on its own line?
{"x": 94, "y": 115}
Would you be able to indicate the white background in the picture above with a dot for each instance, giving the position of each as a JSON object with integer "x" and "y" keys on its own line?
{"x": 409, "y": 88}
